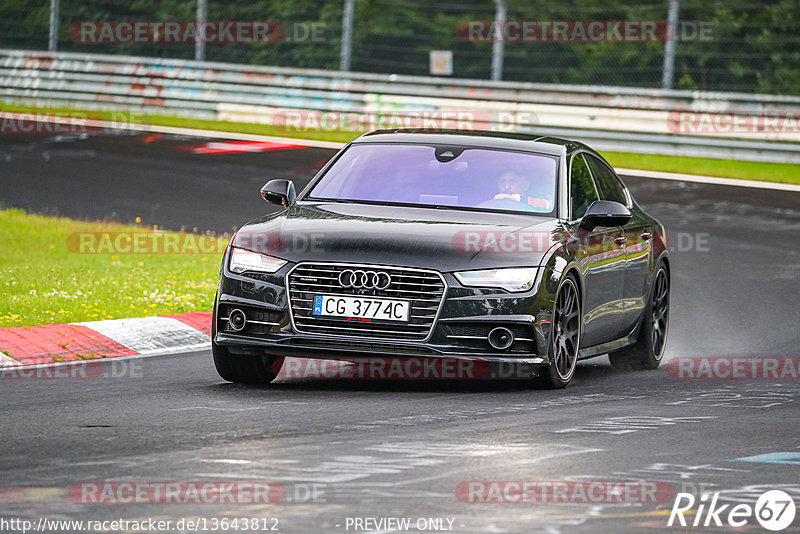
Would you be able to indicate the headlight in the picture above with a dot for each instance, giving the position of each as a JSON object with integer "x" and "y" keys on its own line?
{"x": 514, "y": 279}
{"x": 245, "y": 260}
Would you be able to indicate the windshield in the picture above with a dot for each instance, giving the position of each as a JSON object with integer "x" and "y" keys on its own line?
{"x": 443, "y": 175}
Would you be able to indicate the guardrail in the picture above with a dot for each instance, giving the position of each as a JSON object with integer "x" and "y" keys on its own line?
{"x": 608, "y": 118}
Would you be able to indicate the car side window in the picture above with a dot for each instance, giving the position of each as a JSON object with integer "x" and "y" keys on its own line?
{"x": 607, "y": 182}
{"x": 581, "y": 188}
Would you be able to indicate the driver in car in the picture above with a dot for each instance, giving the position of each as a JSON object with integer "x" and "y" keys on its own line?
{"x": 516, "y": 187}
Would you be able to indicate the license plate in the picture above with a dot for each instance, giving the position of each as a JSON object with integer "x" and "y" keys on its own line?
{"x": 361, "y": 308}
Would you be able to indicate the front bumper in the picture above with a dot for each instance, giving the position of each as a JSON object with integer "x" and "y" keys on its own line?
{"x": 460, "y": 330}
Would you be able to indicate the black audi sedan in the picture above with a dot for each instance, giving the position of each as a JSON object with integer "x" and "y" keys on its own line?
{"x": 491, "y": 247}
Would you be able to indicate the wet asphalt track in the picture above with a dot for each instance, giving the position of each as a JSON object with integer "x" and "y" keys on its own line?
{"x": 400, "y": 449}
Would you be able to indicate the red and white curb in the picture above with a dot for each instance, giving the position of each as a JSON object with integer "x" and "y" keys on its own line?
{"x": 238, "y": 147}
{"x": 144, "y": 336}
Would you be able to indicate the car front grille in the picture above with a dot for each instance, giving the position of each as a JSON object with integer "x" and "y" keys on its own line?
{"x": 423, "y": 289}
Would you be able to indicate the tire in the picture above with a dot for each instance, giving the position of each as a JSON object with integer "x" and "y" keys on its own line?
{"x": 565, "y": 336}
{"x": 647, "y": 352}
{"x": 245, "y": 368}
{"x": 242, "y": 368}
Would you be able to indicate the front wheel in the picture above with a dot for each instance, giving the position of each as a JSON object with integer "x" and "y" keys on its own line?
{"x": 648, "y": 350}
{"x": 565, "y": 336}
{"x": 245, "y": 368}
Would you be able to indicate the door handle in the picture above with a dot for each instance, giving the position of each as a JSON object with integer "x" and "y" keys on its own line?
{"x": 620, "y": 240}
{"x": 646, "y": 235}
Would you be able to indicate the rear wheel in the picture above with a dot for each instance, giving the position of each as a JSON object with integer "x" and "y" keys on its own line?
{"x": 565, "y": 336}
{"x": 648, "y": 350}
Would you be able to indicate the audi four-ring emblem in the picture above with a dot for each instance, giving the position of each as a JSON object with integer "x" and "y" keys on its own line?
{"x": 364, "y": 279}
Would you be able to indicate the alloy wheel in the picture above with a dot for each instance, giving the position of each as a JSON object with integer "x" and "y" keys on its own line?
{"x": 566, "y": 329}
{"x": 660, "y": 313}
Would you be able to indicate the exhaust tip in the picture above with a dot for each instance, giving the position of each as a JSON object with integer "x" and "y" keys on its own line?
{"x": 501, "y": 338}
{"x": 237, "y": 320}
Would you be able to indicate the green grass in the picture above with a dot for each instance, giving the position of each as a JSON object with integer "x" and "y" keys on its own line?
{"x": 45, "y": 280}
{"x": 725, "y": 168}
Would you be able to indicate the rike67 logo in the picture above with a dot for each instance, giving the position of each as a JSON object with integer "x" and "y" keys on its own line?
{"x": 774, "y": 510}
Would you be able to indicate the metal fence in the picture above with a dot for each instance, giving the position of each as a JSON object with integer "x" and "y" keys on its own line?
{"x": 717, "y": 45}
{"x": 609, "y": 118}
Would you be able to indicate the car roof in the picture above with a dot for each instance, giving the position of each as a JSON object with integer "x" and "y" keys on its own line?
{"x": 543, "y": 144}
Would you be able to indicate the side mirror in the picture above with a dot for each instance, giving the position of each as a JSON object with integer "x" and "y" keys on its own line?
{"x": 605, "y": 213}
{"x": 279, "y": 192}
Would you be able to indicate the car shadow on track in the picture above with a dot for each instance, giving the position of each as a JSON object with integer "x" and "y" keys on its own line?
{"x": 585, "y": 374}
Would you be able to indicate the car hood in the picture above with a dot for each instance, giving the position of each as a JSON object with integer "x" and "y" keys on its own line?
{"x": 441, "y": 239}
